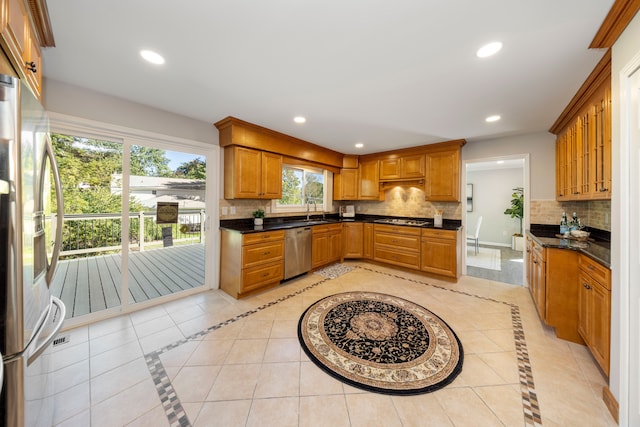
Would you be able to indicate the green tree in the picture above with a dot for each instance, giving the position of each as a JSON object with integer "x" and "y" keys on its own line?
{"x": 291, "y": 187}
{"x": 314, "y": 190}
{"x": 147, "y": 161}
{"x": 195, "y": 169}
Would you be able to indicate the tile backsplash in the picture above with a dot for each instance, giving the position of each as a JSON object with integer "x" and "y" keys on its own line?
{"x": 595, "y": 214}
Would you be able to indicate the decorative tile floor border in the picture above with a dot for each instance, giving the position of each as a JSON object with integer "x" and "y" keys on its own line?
{"x": 178, "y": 417}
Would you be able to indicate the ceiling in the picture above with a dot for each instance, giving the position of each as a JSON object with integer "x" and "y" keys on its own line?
{"x": 387, "y": 74}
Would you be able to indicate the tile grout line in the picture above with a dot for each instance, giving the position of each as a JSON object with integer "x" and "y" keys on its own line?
{"x": 177, "y": 416}
{"x": 171, "y": 404}
{"x": 530, "y": 406}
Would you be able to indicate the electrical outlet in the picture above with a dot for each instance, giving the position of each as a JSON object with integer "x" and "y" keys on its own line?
{"x": 225, "y": 210}
{"x": 233, "y": 210}
{"x": 267, "y": 210}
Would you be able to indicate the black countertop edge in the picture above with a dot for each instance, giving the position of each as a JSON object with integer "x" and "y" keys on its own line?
{"x": 245, "y": 225}
{"x": 547, "y": 230}
{"x": 599, "y": 250}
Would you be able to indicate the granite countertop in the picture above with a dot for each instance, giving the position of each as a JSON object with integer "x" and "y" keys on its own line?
{"x": 598, "y": 248}
{"x": 245, "y": 225}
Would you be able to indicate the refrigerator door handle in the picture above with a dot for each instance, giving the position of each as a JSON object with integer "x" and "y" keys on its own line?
{"x": 56, "y": 304}
{"x": 57, "y": 243}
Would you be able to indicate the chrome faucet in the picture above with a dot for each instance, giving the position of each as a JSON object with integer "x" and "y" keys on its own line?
{"x": 315, "y": 206}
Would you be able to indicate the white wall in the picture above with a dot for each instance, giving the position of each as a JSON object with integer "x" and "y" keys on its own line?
{"x": 492, "y": 191}
{"x": 542, "y": 154}
{"x": 625, "y": 48}
{"x": 79, "y": 102}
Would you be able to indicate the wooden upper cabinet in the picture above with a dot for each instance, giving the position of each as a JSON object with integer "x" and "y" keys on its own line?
{"x": 345, "y": 185}
{"x": 443, "y": 176}
{"x": 252, "y": 174}
{"x": 583, "y": 140}
{"x": 21, "y": 42}
{"x": 583, "y": 152}
{"x": 404, "y": 167}
{"x": 369, "y": 188}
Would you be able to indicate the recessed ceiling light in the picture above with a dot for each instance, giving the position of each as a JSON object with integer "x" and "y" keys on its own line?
{"x": 299, "y": 119}
{"x": 492, "y": 118}
{"x": 153, "y": 57}
{"x": 500, "y": 162}
{"x": 489, "y": 49}
{"x": 359, "y": 145}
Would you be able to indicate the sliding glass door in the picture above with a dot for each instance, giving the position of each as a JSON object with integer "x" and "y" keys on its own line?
{"x": 134, "y": 224}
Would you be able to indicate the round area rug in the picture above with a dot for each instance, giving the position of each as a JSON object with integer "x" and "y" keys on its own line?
{"x": 380, "y": 343}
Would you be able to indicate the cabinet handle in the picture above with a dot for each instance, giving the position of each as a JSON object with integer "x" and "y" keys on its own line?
{"x": 604, "y": 189}
{"x": 265, "y": 275}
{"x": 586, "y": 286}
{"x": 31, "y": 66}
{"x": 266, "y": 253}
{"x": 575, "y": 193}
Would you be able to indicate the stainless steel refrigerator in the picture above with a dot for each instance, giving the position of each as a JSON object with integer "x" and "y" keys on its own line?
{"x": 30, "y": 317}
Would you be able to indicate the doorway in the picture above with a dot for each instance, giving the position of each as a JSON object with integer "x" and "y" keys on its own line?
{"x": 493, "y": 186}
{"x": 120, "y": 252}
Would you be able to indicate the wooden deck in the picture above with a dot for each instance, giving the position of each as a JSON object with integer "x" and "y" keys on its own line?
{"x": 91, "y": 284}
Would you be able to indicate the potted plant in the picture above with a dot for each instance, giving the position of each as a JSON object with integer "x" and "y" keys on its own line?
{"x": 516, "y": 210}
{"x": 258, "y": 216}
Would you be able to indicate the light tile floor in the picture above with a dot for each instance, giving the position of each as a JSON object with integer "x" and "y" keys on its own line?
{"x": 209, "y": 360}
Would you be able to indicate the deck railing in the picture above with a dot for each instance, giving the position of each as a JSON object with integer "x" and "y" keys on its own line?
{"x": 85, "y": 234}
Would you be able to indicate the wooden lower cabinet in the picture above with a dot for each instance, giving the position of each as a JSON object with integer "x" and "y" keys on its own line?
{"x": 594, "y": 309}
{"x": 397, "y": 245}
{"x": 250, "y": 262}
{"x": 353, "y": 233}
{"x": 326, "y": 244}
{"x": 440, "y": 253}
{"x": 538, "y": 275}
{"x": 367, "y": 240}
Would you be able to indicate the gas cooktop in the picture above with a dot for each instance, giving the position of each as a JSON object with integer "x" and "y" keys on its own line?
{"x": 401, "y": 221}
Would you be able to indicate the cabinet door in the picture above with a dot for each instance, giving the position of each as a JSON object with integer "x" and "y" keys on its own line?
{"x": 439, "y": 256}
{"x": 601, "y": 148}
{"x": 561, "y": 167}
{"x": 271, "y": 184}
{"x": 412, "y": 166}
{"x": 584, "y": 317}
{"x": 319, "y": 250}
{"x": 15, "y": 22}
{"x": 242, "y": 173}
{"x": 353, "y": 240}
{"x": 539, "y": 284}
{"x": 600, "y": 309}
{"x": 367, "y": 240}
{"x": 443, "y": 176}
{"x": 390, "y": 168}
{"x": 368, "y": 178}
{"x": 528, "y": 260}
{"x": 345, "y": 185}
{"x": 32, "y": 59}
{"x": 334, "y": 245}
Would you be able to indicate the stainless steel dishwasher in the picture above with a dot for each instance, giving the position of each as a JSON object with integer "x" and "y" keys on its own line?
{"x": 297, "y": 251}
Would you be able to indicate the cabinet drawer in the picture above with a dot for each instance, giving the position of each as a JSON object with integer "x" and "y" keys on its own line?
{"x": 405, "y": 259}
{"x": 267, "y": 236}
{"x": 262, "y": 253}
{"x": 596, "y": 270}
{"x": 440, "y": 234}
{"x": 397, "y": 229}
{"x": 411, "y": 243}
{"x": 257, "y": 276}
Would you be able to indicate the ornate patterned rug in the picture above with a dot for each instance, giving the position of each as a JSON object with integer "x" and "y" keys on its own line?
{"x": 380, "y": 343}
